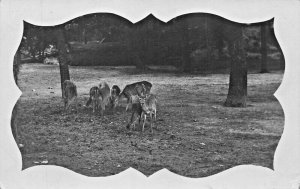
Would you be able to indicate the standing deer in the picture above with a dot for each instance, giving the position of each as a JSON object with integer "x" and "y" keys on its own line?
{"x": 148, "y": 105}
{"x": 69, "y": 94}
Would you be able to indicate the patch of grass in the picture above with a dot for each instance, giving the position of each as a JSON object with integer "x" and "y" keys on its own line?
{"x": 195, "y": 136}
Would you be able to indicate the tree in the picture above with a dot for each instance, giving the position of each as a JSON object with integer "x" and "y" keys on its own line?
{"x": 275, "y": 42}
{"x": 208, "y": 41}
{"x": 137, "y": 43}
{"x": 263, "y": 48}
{"x": 185, "y": 48}
{"x": 63, "y": 56}
{"x": 237, "y": 93}
{"x": 134, "y": 47}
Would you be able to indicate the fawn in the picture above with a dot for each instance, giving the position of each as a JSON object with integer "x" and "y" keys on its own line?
{"x": 148, "y": 105}
{"x": 69, "y": 94}
{"x": 141, "y": 107}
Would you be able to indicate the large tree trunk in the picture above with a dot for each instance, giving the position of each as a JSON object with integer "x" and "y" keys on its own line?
{"x": 263, "y": 48}
{"x": 63, "y": 57}
{"x": 237, "y": 93}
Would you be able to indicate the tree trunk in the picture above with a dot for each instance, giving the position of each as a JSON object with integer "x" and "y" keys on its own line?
{"x": 237, "y": 93}
{"x": 263, "y": 48}
{"x": 63, "y": 57}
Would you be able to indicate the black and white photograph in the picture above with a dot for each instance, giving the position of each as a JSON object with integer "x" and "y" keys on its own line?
{"x": 193, "y": 95}
{"x": 101, "y": 94}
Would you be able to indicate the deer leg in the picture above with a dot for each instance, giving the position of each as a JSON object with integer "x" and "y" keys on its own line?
{"x": 113, "y": 107}
{"x": 102, "y": 108}
{"x": 145, "y": 117}
{"x": 74, "y": 101}
{"x": 69, "y": 104}
{"x": 88, "y": 102}
{"x": 135, "y": 123}
{"x": 129, "y": 101}
{"x": 127, "y": 105}
{"x": 76, "y": 104}
{"x": 141, "y": 116}
{"x": 132, "y": 121}
{"x": 151, "y": 121}
{"x": 94, "y": 106}
{"x": 101, "y": 112}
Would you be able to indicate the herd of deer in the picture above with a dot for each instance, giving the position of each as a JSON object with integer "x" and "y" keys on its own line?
{"x": 137, "y": 94}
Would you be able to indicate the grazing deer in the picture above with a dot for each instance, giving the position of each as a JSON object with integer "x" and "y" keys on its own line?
{"x": 139, "y": 88}
{"x": 148, "y": 105}
{"x": 69, "y": 94}
{"x": 94, "y": 98}
{"x": 136, "y": 112}
{"x": 105, "y": 95}
{"x": 114, "y": 96}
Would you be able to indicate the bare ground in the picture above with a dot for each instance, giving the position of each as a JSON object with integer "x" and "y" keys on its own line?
{"x": 195, "y": 136}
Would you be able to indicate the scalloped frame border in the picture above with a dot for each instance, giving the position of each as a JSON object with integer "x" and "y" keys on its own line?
{"x": 286, "y": 173}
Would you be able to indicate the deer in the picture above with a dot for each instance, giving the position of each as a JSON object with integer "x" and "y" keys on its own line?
{"x": 136, "y": 112}
{"x": 69, "y": 94}
{"x": 142, "y": 106}
{"x": 114, "y": 94}
{"x": 135, "y": 89}
{"x": 104, "y": 97}
{"x": 94, "y": 98}
{"x": 148, "y": 105}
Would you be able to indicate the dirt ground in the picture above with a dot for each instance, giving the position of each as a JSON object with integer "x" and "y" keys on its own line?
{"x": 195, "y": 136}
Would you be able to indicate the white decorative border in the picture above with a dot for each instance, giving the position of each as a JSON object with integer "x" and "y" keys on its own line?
{"x": 51, "y": 12}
